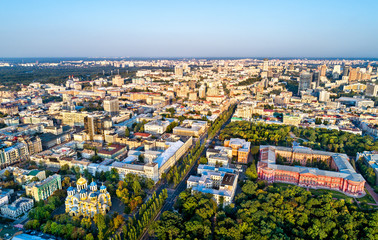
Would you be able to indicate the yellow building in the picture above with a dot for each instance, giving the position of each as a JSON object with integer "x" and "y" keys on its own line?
{"x": 87, "y": 202}
{"x": 73, "y": 118}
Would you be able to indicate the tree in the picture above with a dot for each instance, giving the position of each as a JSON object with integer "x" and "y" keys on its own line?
{"x": 66, "y": 181}
{"x": 89, "y": 236}
{"x": 101, "y": 225}
{"x": 34, "y": 179}
{"x": 127, "y": 132}
{"x": 251, "y": 172}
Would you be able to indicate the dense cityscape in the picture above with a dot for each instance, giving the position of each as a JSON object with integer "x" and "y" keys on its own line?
{"x": 190, "y": 149}
{"x": 188, "y": 120}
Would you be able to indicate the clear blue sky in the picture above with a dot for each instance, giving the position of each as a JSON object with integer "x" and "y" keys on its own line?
{"x": 110, "y": 28}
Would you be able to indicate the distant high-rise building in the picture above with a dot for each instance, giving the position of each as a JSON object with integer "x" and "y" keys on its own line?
{"x": 346, "y": 70}
{"x": 304, "y": 81}
{"x": 371, "y": 90}
{"x": 95, "y": 125}
{"x": 291, "y": 67}
{"x": 324, "y": 96}
{"x": 118, "y": 81}
{"x": 202, "y": 91}
{"x": 323, "y": 70}
{"x": 317, "y": 77}
{"x": 369, "y": 68}
{"x": 179, "y": 71}
{"x": 266, "y": 65}
{"x": 111, "y": 105}
{"x": 337, "y": 69}
{"x": 353, "y": 74}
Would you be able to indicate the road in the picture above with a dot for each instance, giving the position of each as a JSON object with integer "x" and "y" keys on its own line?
{"x": 182, "y": 185}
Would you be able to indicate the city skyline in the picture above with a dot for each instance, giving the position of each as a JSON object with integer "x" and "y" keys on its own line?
{"x": 340, "y": 29}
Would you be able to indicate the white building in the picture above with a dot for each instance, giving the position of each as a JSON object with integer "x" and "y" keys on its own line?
{"x": 156, "y": 127}
{"x": 220, "y": 182}
{"x": 17, "y": 208}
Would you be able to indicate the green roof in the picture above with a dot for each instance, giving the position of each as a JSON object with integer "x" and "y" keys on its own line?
{"x": 33, "y": 172}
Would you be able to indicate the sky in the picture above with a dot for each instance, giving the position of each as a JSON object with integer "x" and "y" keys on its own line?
{"x": 207, "y": 28}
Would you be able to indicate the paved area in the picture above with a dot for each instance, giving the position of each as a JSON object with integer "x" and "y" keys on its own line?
{"x": 372, "y": 193}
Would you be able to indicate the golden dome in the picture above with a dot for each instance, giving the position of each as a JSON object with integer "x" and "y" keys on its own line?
{"x": 81, "y": 181}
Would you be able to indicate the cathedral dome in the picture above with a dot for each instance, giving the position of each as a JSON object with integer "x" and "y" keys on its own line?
{"x": 81, "y": 181}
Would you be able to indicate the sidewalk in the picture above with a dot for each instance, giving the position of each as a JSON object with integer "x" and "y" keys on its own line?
{"x": 372, "y": 193}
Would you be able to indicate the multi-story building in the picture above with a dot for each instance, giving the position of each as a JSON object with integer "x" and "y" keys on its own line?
{"x": 156, "y": 127}
{"x": 34, "y": 144}
{"x": 371, "y": 90}
{"x": 118, "y": 81}
{"x": 5, "y": 196}
{"x": 220, "y": 182}
{"x": 9, "y": 109}
{"x": 45, "y": 188}
{"x": 291, "y": 120}
{"x": 13, "y": 154}
{"x": 87, "y": 201}
{"x": 240, "y": 149}
{"x": 113, "y": 151}
{"x": 17, "y": 208}
{"x": 202, "y": 91}
{"x": 96, "y": 125}
{"x": 304, "y": 81}
{"x": 111, "y": 105}
{"x": 193, "y": 128}
{"x": 323, "y": 70}
{"x": 73, "y": 118}
{"x": 344, "y": 178}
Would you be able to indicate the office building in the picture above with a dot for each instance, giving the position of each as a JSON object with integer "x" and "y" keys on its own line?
{"x": 111, "y": 105}
{"x": 371, "y": 90}
{"x": 179, "y": 71}
{"x": 304, "y": 81}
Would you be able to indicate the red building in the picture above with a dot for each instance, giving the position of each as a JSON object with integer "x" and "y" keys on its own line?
{"x": 344, "y": 179}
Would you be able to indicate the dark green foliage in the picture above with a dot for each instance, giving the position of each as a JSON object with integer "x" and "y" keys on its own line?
{"x": 249, "y": 81}
{"x": 193, "y": 220}
{"x": 136, "y": 225}
{"x": 171, "y": 126}
{"x": 271, "y": 213}
{"x": 318, "y": 139}
{"x": 367, "y": 172}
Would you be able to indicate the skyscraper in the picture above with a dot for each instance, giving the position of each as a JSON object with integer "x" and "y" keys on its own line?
{"x": 304, "y": 81}
{"x": 346, "y": 70}
{"x": 111, "y": 105}
{"x": 202, "y": 91}
{"x": 323, "y": 70}
{"x": 353, "y": 74}
{"x": 95, "y": 125}
{"x": 179, "y": 71}
{"x": 266, "y": 65}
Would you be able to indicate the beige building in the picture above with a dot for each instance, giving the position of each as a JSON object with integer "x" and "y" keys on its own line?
{"x": 73, "y": 118}
{"x": 111, "y": 105}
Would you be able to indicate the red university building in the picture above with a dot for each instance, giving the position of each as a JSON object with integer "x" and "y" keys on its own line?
{"x": 344, "y": 178}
